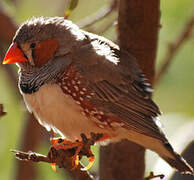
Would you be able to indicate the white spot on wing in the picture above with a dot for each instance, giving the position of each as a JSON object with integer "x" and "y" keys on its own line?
{"x": 157, "y": 121}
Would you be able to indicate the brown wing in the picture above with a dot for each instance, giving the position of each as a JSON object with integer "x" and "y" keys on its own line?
{"x": 119, "y": 86}
{"x": 137, "y": 113}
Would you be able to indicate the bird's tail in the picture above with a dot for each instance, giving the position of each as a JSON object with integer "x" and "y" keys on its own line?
{"x": 178, "y": 162}
{"x": 163, "y": 148}
{"x": 165, "y": 151}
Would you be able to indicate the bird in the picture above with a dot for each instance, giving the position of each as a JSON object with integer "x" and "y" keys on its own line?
{"x": 76, "y": 82}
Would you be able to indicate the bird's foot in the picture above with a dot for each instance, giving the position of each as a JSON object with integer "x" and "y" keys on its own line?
{"x": 59, "y": 143}
{"x": 80, "y": 147}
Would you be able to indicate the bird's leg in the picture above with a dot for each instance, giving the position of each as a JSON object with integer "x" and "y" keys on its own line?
{"x": 52, "y": 134}
{"x": 81, "y": 147}
{"x": 86, "y": 150}
{"x": 59, "y": 143}
{"x": 91, "y": 159}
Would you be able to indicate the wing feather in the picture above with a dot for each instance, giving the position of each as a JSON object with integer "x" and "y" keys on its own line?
{"x": 136, "y": 112}
{"x": 119, "y": 86}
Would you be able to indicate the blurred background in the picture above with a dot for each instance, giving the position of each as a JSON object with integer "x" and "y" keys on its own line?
{"x": 174, "y": 93}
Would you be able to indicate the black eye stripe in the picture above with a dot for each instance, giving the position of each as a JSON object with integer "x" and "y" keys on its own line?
{"x": 33, "y": 56}
{"x": 25, "y": 56}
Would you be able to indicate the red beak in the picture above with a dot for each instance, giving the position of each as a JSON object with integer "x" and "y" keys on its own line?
{"x": 14, "y": 55}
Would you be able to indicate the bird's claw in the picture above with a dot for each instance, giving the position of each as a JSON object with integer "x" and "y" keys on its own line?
{"x": 91, "y": 162}
{"x": 53, "y": 166}
{"x": 81, "y": 148}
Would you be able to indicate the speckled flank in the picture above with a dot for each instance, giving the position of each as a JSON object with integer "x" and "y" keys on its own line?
{"x": 72, "y": 84}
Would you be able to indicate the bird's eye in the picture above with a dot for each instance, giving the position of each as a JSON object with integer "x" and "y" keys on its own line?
{"x": 32, "y": 45}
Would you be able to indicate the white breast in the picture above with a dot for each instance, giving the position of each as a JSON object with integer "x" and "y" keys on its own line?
{"x": 58, "y": 111}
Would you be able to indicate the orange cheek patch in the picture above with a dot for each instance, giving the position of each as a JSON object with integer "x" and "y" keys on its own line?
{"x": 44, "y": 51}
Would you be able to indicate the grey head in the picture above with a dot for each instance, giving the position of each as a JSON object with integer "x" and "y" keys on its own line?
{"x": 44, "y": 41}
{"x": 36, "y": 30}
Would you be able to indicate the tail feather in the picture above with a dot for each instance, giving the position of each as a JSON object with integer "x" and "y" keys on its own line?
{"x": 178, "y": 162}
{"x": 164, "y": 150}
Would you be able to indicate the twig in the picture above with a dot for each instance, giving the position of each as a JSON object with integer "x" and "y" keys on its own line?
{"x": 31, "y": 156}
{"x": 102, "y": 13}
{"x": 2, "y": 112}
{"x": 62, "y": 158}
{"x": 31, "y": 137}
{"x": 106, "y": 27}
{"x": 151, "y": 176}
{"x": 102, "y": 29}
{"x": 173, "y": 48}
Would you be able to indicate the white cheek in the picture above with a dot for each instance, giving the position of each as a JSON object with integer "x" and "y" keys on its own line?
{"x": 28, "y": 52}
{"x": 29, "y": 55}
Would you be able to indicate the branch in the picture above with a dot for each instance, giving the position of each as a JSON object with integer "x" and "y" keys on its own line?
{"x": 173, "y": 48}
{"x": 31, "y": 156}
{"x": 102, "y": 29}
{"x": 99, "y": 15}
{"x": 138, "y": 24}
{"x": 152, "y": 176}
{"x": 62, "y": 158}
{"x": 31, "y": 137}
